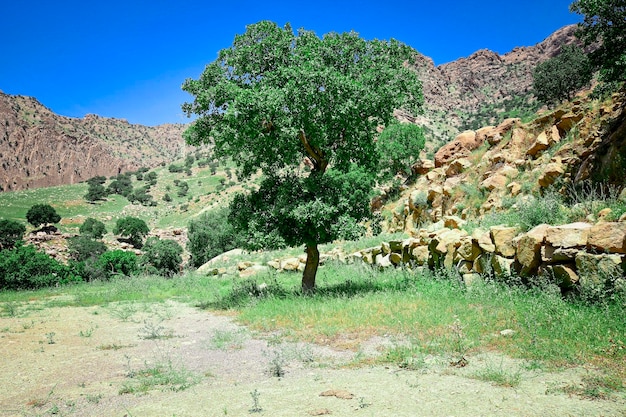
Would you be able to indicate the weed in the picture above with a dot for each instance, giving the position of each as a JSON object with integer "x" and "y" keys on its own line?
{"x": 153, "y": 331}
{"x": 459, "y": 344}
{"x": 229, "y": 339}
{"x": 50, "y": 338}
{"x": 10, "y": 308}
{"x": 123, "y": 311}
{"x": 277, "y": 363}
{"x": 27, "y": 326}
{"x": 499, "y": 375}
{"x": 94, "y": 399}
{"x": 162, "y": 374}
{"x": 256, "y": 407}
{"x": 592, "y": 387}
{"x": 113, "y": 346}
{"x": 86, "y": 333}
{"x": 363, "y": 403}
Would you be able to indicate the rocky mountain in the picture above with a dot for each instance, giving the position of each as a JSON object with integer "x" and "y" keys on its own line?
{"x": 39, "y": 148}
{"x": 482, "y": 89}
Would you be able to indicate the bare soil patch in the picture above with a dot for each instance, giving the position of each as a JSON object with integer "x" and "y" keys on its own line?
{"x": 170, "y": 359}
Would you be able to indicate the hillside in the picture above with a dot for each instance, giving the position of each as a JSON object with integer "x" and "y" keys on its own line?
{"x": 41, "y": 149}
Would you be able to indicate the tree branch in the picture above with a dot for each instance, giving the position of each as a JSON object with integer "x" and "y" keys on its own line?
{"x": 315, "y": 154}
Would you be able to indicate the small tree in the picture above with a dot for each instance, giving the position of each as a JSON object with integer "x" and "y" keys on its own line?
{"x": 162, "y": 256}
{"x": 398, "y": 146}
{"x": 276, "y": 99}
{"x": 133, "y": 228}
{"x": 82, "y": 248}
{"x": 11, "y": 232}
{"x": 93, "y": 228}
{"x": 559, "y": 78}
{"x": 95, "y": 192}
{"x": 605, "y": 21}
{"x": 210, "y": 235}
{"x": 42, "y": 214}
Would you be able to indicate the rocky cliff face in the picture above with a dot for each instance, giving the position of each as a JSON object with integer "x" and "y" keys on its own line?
{"x": 481, "y": 89}
{"x": 39, "y": 148}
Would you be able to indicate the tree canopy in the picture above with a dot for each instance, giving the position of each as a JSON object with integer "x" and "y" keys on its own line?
{"x": 132, "y": 227}
{"x": 605, "y": 21}
{"x": 42, "y": 214}
{"x": 11, "y": 232}
{"x": 559, "y": 78}
{"x": 303, "y": 110}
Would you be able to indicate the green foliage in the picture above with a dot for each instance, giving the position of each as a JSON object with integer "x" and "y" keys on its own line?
{"x": 95, "y": 192}
{"x": 11, "y": 232}
{"x": 398, "y": 146}
{"x": 42, "y": 214}
{"x": 605, "y": 21}
{"x": 210, "y": 235}
{"x": 276, "y": 97}
{"x": 93, "y": 228}
{"x": 118, "y": 262}
{"x": 133, "y": 228}
{"x": 560, "y": 77}
{"x": 141, "y": 196}
{"x": 82, "y": 248}
{"x": 162, "y": 257}
{"x": 175, "y": 168}
{"x": 24, "y": 267}
{"x": 122, "y": 185}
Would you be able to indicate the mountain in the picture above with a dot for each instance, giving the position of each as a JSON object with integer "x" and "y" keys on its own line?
{"x": 39, "y": 148}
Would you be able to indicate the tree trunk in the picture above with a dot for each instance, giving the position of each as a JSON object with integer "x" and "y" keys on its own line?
{"x": 310, "y": 269}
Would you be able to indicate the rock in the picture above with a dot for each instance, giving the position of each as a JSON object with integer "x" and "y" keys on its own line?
{"x": 502, "y": 237}
{"x": 472, "y": 279}
{"x": 568, "y": 121}
{"x": 503, "y": 128}
{"x": 528, "y": 252}
{"x": 383, "y": 261}
{"x": 483, "y": 238}
{"x": 290, "y": 264}
{"x": 550, "y": 254}
{"x": 453, "y": 222}
{"x": 604, "y": 213}
{"x": 540, "y": 144}
{"x": 242, "y": 266}
{"x": 495, "y": 182}
{"x": 565, "y": 275}
{"x": 460, "y": 147}
{"x": 608, "y": 237}
{"x": 468, "y": 249}
{"x": 501, "y": 265}
{"x": 458, "y": 166}
{"x": 507, "y": 332}
{"x": 274, "y": 264}
{"x": 464, "y": 267}
{"x": 598, "y": 270}
{"x": 551, "y": 172}
{"x": 422, "y": 166}
{"x": 396, "y": 258}
{"x": 254, "y": 270}
{"x": 568, "y": 235}
{"x": 420, "y": 255}
{"x": 514, "y": 188}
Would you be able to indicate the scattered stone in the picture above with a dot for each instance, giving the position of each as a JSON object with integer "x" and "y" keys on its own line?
{"x": 339, "y": 393}
{"x": 507, "y": 332}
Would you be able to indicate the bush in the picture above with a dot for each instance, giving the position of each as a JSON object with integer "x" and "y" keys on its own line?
{"x": 398, "y": 146}
{"x": 93, "y": 228}
{"x": 122, "y": 185}
{"x": 210, "y": 235}
{"x": 24, "y": 267}
{"x": 82, "y": 248}
{"x": 175, "y": 168}
{"x": 42, "y": 214}
{"x": 11, "y": 232}
{"x": 162, "y": 257}
{"x": 118, "y": 262}
{"x": 133, "y": 228}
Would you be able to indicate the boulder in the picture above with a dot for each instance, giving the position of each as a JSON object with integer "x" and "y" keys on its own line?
{"x": 495, "y": 181}
{"x": 453, "y": 222}
{"x": 571, "y": 235}
{"x": 460, "y": 147}
{"x": 472, "y": 279}
{"x": 566, "y": 275}
{"x": 383, "y": 261}
{"x": 420, "y": 255}
{"x": 551, "y": 254}
{"x": 458, "y": 166}
{"x": 468, "y": 249}
{"x": 501, "y": 266}
{"x": 502, "y": 237}
{"x": 528, "y": 252}
{"x": 290, "y": 264}
{"x": 599, "y": 270}
{"x": 551, "y": 172}
{"x": 608, "y": 237}
{"x": 540, "y": 144}
{"x": 514, "y": 188}
{"x": 422, "y": 166}
{"x": 483, "y": 239}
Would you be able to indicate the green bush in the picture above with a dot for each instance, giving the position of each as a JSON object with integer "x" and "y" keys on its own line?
{"x": 24, "y": 267}
{"x": 42, "y": 214}
{"x": 11, "y": 232}
{"x": 93, "y": 228}
{"x": 133, "y": 228}
{"x": 82, "y": 248}
{"x": 118, "y": 262}
{"x": 210, "y": 235}
{"x": 161, "y": 257}
{"x": 398, "y": 146}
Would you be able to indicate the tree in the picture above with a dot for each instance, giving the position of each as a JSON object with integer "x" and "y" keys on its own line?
{"x": 605, "y": 21}
{"x": 276, "y": 99}
{"x": 162, "y": 256}
{"x": 398, "y": 146}
{"x": 42, "y": 214}
{"x": 11, "y": 232}
{"x": 81, "y": 248}
{"x": 210, "y": 235}
{"x": 95, "y": 192}
{"x": 93, "y": 228}
{"x": 135, "y": 229}
{"x": 558, "y": 78}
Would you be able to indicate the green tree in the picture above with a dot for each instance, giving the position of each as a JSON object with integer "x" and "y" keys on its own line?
{"x": 133, "y": 228}
{"x": 11, "y": 232}
{"x": 122, "y": 185}
{"x": 95, "y": 192}
{"x": 559, "y": 78}
{"x": 276, "y": 98}
{"x": 399, "y": 145}
{"x": 162, "y": 256}
{"x": 210, "y": 235}
{"x": 92, "y": 227}
{"x": 605, "y": 21}
{"x": 42, "y": 214}
{"x": 81, "y": 248}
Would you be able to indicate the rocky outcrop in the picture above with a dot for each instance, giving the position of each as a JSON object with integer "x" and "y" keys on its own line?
{"x": 39, "y": 148}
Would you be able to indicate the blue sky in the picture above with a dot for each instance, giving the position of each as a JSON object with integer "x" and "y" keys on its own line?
{"x": 128, "y": 59}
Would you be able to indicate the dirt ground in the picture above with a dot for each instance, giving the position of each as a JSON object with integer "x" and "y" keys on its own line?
{"x": 171, "y": 359}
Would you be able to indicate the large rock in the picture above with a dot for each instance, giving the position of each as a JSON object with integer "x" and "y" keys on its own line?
{"x": 551, "y": 172}
{"x": 600, "y": 272}
{"x": 540, "y": 144}
{"x": 566, "y": 275}
{"x": 460, "y": 147}
{"x": 568, "y": 235}
{"x": 422, "y": 166}
{"x": 608, "y": 237}
{"x": 529, "y": 249}
{"x": 502, "y": 238}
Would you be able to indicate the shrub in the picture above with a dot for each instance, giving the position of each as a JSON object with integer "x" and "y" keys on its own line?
{"x": 118, "y": 262}
{"x": 175, "y": 168}
{"x": 121, "y": 185}
{"x": 92, "y": 227}
{"x": 11, "y": 232}
{"x": 82, "y": 248}
{"x": 42, "y": 214}
{"x": 398, "y": 146}
{"x": 162, "y": 257}
{"x": 209, "y": 235}
{"x": 24, "y": 267}
{"x": 133, "y": 228}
